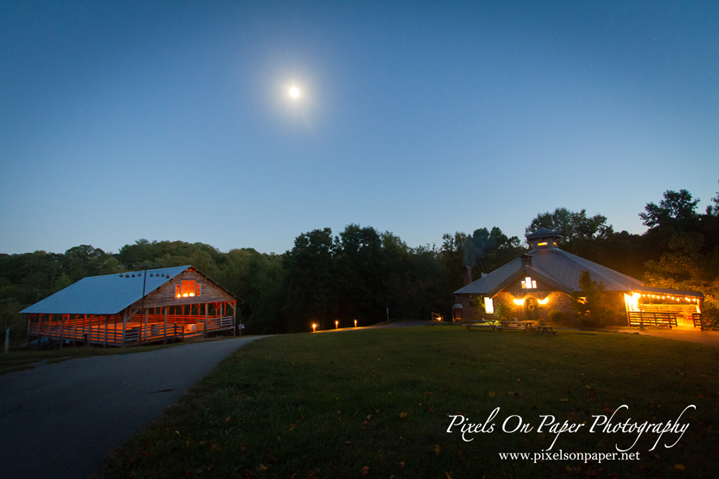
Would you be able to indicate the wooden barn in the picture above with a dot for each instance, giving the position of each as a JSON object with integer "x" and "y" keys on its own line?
{"x": 544, "y": 280}
{"x": 133, "y": 308}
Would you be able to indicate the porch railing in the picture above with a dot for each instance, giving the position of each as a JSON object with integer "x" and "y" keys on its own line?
{"x": 645, "y": 318}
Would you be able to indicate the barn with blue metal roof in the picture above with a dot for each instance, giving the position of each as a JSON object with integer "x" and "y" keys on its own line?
{"x": 136, "y": 307}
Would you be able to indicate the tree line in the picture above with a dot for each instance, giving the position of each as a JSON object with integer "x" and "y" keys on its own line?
{"x": 361, "y": 272}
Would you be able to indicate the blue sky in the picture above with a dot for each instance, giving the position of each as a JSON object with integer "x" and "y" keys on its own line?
{"x": 172, "y": 120}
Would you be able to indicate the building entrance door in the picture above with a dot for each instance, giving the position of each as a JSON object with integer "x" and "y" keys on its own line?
{"x": 531, "y": 309}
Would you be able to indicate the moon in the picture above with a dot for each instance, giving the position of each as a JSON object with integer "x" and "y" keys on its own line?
{"x": 294, "y": 92}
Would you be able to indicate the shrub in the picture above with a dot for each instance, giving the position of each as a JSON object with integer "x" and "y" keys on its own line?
{"x": 557, "y": 316}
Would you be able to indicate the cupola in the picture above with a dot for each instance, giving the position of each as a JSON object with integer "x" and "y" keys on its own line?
{"x": 543, "y": 238}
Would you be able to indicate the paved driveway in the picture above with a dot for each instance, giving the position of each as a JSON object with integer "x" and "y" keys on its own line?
{"x": 709, "y": 338}
{"x": 60, "y": 420}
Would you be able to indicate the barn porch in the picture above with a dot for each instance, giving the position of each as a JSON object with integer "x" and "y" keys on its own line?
{"x": 180, "y": 322}
{"x": 159, "y": 306}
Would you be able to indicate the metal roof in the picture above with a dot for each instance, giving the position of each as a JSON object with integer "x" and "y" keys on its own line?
{"x": 542, "y": 233}
{"x": 561, "y": 270}
{"x": 493, "y": 280}
{"x": 106, "y": 294}
{"x": 680, "y": 292}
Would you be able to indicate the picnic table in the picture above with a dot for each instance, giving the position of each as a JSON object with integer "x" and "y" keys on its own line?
{"x": 481, "y": 323}
{"x": 533, "y": 326}
{"x": 516, "y": 325}
{"x": 542, "y": 327}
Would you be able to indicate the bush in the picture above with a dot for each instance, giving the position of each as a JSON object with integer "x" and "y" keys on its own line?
{"x": 503, "y": 311}
{"x": 557, "y": 316}
{"x": 593, "y": 307}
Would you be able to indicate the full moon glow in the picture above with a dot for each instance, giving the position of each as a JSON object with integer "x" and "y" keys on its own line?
{"x": 294, "y": 92}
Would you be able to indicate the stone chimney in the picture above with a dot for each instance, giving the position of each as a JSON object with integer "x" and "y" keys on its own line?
{"x": 467, "y": 274}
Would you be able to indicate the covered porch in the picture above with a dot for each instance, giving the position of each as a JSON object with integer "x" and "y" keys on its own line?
{"x": 664, "y": 307}
{"x": 135, "y": 327}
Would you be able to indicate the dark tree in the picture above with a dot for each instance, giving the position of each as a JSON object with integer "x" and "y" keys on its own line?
{"x": 310, "y": 281}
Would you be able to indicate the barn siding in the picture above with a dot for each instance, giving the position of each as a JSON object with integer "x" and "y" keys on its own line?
{"x": 165, "y": 294}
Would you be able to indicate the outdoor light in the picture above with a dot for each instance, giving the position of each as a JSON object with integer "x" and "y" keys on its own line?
{"x": 314, "y": 327}
{"x": 543, "y": 301}
{"x": 337, "y": 325}
{"x": 355, "y": 323}
{"x": 519, "y": 301}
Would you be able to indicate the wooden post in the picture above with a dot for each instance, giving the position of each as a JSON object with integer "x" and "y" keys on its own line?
{"x": 74, "y": 332}
{"x": 145, "y": 326}
{"x": 29, "y": 322}
{"x": 62, "y": 329}
{"x": 206, "y": 317}
{"x": 234, "y": 319}
{"x": 124, "y": 327}
{"x": 104, "y": 340}
{"x": 164, "y": 334}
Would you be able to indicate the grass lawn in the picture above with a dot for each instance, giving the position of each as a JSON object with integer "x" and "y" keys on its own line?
{"x": 376, "y": 403}
{"x": 18, "y": 360}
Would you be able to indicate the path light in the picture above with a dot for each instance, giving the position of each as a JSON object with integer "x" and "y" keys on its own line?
{"x": 355, "y": 323}
{"x": 314, "y": 327}
{"x": 337, "y": 325}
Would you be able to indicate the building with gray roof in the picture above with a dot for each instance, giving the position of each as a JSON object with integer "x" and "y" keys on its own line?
{"x": 546, "y": 278}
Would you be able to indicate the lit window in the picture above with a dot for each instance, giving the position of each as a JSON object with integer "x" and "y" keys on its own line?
{"x": 488, "y": 305}
{"x": 542, "y": 244}
{"x": 529, "y": 283}
{"x": 187, "y": 289}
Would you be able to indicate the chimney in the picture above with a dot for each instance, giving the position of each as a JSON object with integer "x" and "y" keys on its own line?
{"x": 467, "y": 274}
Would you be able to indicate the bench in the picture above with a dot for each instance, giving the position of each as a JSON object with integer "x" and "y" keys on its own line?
{"x": 704, "y": 325}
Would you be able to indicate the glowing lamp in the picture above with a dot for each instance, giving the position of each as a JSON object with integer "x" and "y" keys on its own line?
{"x": 192, "y": 294}
{"x": 314, "y": 327}
{"x": 337, "y": 325}
{"x": 355, "y": 323}
{"x": 518, "y": 302}
{"x": 543, "y": 301}
{"x": 184, "y": 295}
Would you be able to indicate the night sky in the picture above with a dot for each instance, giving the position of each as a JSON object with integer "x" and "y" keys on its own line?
{"x": 173, "y": 120}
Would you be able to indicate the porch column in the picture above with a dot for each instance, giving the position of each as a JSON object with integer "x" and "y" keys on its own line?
{"x": 62, "y": 329}
{"x": 206, "y": 316}
{"x": 145, "y": 327}
{"x": 164, "y": 334}
{"x": 197, "y": 318}
{"x": 29, "y": 322}
{"x": 234, "y": 319}
{"x": 124, "y": 326}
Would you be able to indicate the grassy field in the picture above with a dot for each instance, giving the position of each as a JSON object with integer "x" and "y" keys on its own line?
{"x": 376, "y": 403}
